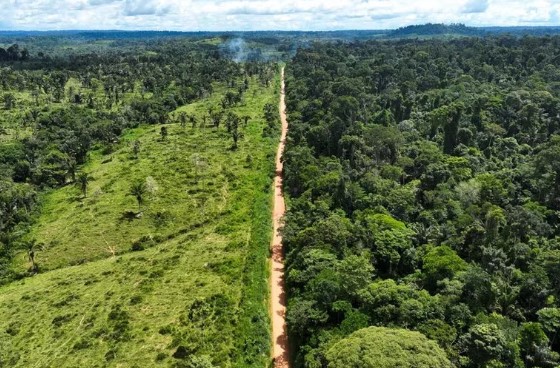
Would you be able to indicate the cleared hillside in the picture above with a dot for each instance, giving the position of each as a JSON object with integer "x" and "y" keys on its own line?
{"x": 178, "y": 280}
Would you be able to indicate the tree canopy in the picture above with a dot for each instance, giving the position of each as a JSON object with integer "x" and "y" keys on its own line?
{"x": 380, "y": 347}
{"x": 436, "y": 163}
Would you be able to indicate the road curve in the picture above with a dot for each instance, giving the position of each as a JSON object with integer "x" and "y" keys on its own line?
{"x": 277, "y": 292}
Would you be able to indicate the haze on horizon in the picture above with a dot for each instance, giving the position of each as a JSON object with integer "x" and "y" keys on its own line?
{"x": 249, "y": 15}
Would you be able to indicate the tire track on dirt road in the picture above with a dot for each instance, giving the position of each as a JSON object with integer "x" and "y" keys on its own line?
{"x": 277, "y": 284}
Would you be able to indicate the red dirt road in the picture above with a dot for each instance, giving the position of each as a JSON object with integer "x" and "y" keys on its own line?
{"x": 278, "y": 295}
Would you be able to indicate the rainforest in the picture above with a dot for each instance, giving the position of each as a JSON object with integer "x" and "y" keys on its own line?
{"x": 281, "y": 199}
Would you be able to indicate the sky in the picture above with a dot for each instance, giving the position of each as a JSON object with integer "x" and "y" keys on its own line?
{"x": 237, "y": 15}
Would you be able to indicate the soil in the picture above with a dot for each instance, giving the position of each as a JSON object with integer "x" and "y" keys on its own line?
{"x": 278, "y": 295}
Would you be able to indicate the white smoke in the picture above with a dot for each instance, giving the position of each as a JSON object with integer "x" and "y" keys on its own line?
{"x": 237, "y": 48}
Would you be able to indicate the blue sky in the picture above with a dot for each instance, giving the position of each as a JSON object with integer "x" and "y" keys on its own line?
{"x": 223, "y": 15}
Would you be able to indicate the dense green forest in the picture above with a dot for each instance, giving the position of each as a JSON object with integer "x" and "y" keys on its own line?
{"x": 260, "y": 45}
{"x": 424, "y": 197}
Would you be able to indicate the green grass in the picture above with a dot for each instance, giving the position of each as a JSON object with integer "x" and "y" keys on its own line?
{"x": 51, "y": 315}
{"x": 197, "y": 284}
{"x": 190, "y": 179}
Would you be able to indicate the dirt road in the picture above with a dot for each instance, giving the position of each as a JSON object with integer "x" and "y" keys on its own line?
{"x": 278, "y": 296}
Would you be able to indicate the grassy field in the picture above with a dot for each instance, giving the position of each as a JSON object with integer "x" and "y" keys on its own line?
{"x": 179, "y": 281}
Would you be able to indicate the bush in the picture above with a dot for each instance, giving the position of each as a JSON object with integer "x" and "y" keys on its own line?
{"x": 119, "y": 322}
{"x": 160, "y": 356}
{"x": 136, "y": 299}
{"x": 82, "y": 344}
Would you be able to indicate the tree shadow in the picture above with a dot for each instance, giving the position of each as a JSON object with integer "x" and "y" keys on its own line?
{"x": 130, "y": 216}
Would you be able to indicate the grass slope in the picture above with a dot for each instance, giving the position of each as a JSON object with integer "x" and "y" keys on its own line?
{"x": 197, "y": 290}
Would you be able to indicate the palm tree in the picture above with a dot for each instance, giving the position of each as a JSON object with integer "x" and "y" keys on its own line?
{"x": 138, "y": 190}
{"x": 83, "y": 181}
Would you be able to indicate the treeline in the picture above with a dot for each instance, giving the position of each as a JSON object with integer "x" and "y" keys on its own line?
{"x": 424, "y": 185}
{"x": 434, "y": 29}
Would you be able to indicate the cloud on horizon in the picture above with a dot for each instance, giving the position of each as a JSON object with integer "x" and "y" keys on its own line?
{"x": 224, "y": 15}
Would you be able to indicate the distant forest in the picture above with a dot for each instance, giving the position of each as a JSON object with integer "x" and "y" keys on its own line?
{"x": 301, "y": 37}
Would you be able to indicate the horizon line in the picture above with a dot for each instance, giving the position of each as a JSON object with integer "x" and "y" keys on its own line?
{"x": 272, "y": 30}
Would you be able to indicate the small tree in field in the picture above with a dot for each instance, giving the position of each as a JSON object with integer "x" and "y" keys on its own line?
{"x": 83, "y": 181}
{"x": 216, "y": 118}
{"x": 9, "y": 101}
{"x": 192, "y": 119}
{"x": 138, "y": 190}
{"x": 232, "y": 124}
{"x": 163, "y": 133}
{"x": 136, "y": 148}
{"x": 183, "y": 119}
{"x": 235, "y": 136}
{"x": 31, "y": 245}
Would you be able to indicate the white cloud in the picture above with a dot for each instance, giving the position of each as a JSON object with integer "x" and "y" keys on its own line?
{"x": 475, "y": 6}
{"x": 100, "y": 2}
{"x": 146, "y": 7}
{"x": 223, "y": 15}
